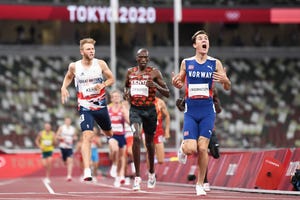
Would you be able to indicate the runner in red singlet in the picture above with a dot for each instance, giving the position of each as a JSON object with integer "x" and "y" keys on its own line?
{"x": 141, "y": 84}
{"x": 117, "y": 143}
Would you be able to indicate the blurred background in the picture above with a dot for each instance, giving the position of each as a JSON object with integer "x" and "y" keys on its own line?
{"x": 257, "y": 41}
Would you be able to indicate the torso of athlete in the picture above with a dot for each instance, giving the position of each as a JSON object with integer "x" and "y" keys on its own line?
{"x": 86, "y": 78}
{"x": 199, "y": 80}
{"x": 140, "y": 93}
{"x": 199, "y": 109}
{"x": 67, "y": 133}
{"x": 117, "y": 120}
{"x": 47, "y": 141}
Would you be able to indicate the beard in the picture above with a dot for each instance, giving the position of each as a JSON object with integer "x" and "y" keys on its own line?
{"x": 88, "y": 56}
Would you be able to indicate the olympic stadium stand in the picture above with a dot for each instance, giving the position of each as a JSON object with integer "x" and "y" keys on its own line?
{"x": 265, "y": 104}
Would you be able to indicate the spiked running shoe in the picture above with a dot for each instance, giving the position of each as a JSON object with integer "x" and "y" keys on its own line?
{"x": 200, "y": 190}
{"x": 151, "y": 181}
{"x": 137, "y": 183}
{"x": 87, "y": 175}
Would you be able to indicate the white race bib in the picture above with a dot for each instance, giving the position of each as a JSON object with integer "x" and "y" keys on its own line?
{"x": 117, "y": 127}
{"x": 139, "y": 90}
{"x": 198, "y": 90}
{"x": 90, "y": 90}
{"x": 47, "y": 142}
{"x": 69, "y": 140}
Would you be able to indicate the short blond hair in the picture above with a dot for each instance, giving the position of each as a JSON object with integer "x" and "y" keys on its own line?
{"x": 85, "y": 41}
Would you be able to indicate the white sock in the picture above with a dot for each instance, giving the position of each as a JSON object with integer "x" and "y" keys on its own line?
{"x": 87, "y": 172}
{"x": 181, "y": 148}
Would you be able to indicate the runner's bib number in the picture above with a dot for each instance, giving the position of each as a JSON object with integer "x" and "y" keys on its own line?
{"x": 91, "y": 90}
{"x": 47, "y": 142}
{"x": 139, "y": 90}
{"x": 198, "y": 90}
{"x": 117, "y": 127}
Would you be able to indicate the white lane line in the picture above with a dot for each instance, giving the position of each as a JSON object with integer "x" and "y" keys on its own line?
{"x": 21, "y": 193}
{"x": 50, "y": 190}
{"x": 8, "y": 182}
{"x": 162, "y": 193}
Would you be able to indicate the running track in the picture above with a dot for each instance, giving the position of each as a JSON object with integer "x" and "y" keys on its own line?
{"x": 29, "y": 188}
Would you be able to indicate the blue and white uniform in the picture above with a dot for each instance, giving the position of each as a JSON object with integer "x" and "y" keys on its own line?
{"x": 199, "y": 115}
{"x": 91, "y": 102}
{"x": 66, "y": 143}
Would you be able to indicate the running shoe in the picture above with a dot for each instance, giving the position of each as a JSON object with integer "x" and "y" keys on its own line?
{"x": 151, "y": 180}
{"x": 182, "y": 158}
{"x": 127, "y": 181}
{"x": 137, "y": 183}
{"x": 95, "y": 180}
{"x": 200, "y": 190}
{"x": 122, "y": 180}
{"x": 69, "y": 178}
{"x": 117, "y": 182}
{"x": 87, "y": 175}
{"x": 206, "y": 187}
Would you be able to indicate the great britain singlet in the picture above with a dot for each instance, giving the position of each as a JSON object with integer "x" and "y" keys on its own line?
{"x": 117, "y": 121}
{"x": 85, "y": 81}
{"x": 199, "y": 79}
{"x": 67, "y": 133}
{"x": 140, "y": 94}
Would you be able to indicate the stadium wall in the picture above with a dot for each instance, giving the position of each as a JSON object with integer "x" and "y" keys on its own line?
{"x": 270, "y": 169}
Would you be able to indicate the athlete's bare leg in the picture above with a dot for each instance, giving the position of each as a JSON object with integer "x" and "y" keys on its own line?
{"x": 69, "y": 166}
{"x": 160, "y": 152}
{"x": 136, "y": 148}
{"x": 202, "y": 159}
{"x": 86, "y": 149}
{"x": 150, "y": 151}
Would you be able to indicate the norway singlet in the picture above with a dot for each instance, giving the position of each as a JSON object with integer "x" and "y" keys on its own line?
{"x": 199, "y": 79}
{"x": 200, "y": 110}
{"x": 85, "y": 80}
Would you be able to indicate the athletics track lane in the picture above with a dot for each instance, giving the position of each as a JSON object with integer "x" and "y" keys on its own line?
{"x": 30, "y": 188}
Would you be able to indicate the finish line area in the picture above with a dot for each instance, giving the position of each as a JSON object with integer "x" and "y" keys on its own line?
{"x": 59, "y": 188}
{"x": 249, "y": 175}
